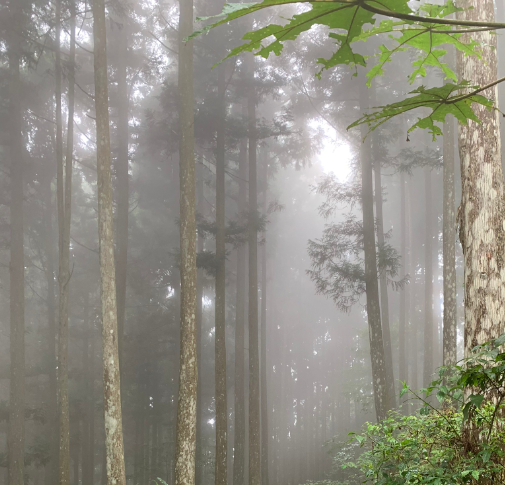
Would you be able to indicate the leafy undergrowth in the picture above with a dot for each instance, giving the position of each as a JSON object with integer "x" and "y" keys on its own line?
{"x": 460, "y": 440}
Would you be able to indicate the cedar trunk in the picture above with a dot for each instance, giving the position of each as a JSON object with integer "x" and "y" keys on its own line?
{"x": 111, "y": 381}
{"x": 188, "y": 371}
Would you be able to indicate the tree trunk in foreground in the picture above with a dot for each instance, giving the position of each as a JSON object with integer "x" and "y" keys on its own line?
{"x": 482, "y": 234}
{"x": 254, "y": 371}
{"x": 16, "y": 427}
{"x": 380, "y": 385}
{"x": 239, "y": 436}
{"x": 220, "y": 308}
{"x": 188, "y": 371}
{"x": 111, "y": 380}
{"x": 449, "y": 249}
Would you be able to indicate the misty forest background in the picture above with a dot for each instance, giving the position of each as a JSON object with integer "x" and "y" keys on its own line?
{"x": 314, "y": 351}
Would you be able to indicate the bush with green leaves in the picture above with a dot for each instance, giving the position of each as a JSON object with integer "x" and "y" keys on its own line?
{"x": 461, "y": 441}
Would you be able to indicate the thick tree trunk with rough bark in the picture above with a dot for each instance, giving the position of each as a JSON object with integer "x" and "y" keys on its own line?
{"x": 481, "y": 213}
{"x": 16, "y": 429}
{"x": 428, "y": 282}
{"x": 239, "y": 415}
{"x": 384, "y": 303}
{"x": 64, "y": 194}
{"x": 380, "y": 384}
{"x": 188, "y": 371}
{"x": 122, "y": 166}
{"x": 254, "y": 371}
{"x": 220, "y": 305}
{"x": 111, "y": 380}
{"x": 449, "y": 250}
{"x": 265, "y": 436}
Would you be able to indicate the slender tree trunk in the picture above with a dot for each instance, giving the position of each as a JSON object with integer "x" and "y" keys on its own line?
{"x": 449, "y": 237}
{"x": 64, "y": 194}
{"x": 482, "y": 234}
{"x": 220, "y": 305}
{"x": 265, "y": 435}
{"x": 16, "y": 427}
{"x": 380, "y": 385}
{"x": 199, "y": 323}
{"x": 254, "y": 371}
{"x": 403, "y": 370}
{"x": 413, "y": 292}
{"x": 122, "y": 166}
{"x": 188, "y": 371}
{"x": 384, "y": 303}
{"x": 428, "y": 283}
{"x": 51, "y": 468}
{"x": 111, "y": 379}
{"x": 239, "y": 436}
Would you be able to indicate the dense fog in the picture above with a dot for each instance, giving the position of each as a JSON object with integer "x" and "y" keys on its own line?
{"x": 319, "y": 249}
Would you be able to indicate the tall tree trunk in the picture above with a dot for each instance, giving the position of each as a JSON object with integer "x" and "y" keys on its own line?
{"x": 265, "y": 435}
{"x": 403, "y": 370}
{"x": 52, "y": 402}
{"x": 254, "y": 371}
{"x": 482, "y": 234}
{"x": 220, "y": 305}
{"x": 188, "y": 371}
{"x": 199, "y": 333}
{"x": 380, "y": 384}
{"x": 111, "y": 379}
{"x": 449, "y": 241}
{"x": 16, "y": 428}
{"x": 122, "y": 166}
{"x": 239, "y": 435}
{"x": 428, "y": 282}
{"x": 384, "y": 303}
{"x": 64, "y": 194}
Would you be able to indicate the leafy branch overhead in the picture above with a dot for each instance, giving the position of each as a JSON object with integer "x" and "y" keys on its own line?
{"x": 426, "y": 29}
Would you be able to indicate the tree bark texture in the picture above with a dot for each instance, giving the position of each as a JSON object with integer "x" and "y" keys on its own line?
{"x": 449, "y": 250}
{"x": 240, "y": 315}
{"x": 220, "y": 304}
{"x": 254, "y": 371}
{"x": 428, "y": 282}
{"x": 481, "y": 213}
{"x": 380, "y": 386}
{"x": 402, "y": 361}
{"x": 188, "y": 371}
{"x": 16, "y": 427}
{"x": 111, "y": 377}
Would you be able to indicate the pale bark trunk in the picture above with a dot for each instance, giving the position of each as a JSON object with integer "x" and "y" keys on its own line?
{"x": 254, "y": 371}
{"x": 220, "y": 304}
{"x": 188, "y": 371}
{"x": 265, "y": 436}
{"x": 64, "y": 187}
{"x": 449, "y": 248}
{"x": 52, "y": 407}
{"x": 384, "y": 303}
{"x": 482, "y": 204}
{"x": 428, "y": 283}
{"x": 380, "y": 385}
{"x": 239, "y": 436}
{"x": 403, "y": 370}
{"x": 122, "y": 188}
{"x": 111, "y": 376}
{"x": 16, "y": 428}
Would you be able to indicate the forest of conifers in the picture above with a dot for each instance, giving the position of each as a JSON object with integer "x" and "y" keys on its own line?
{"x": 252, "y": 243}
